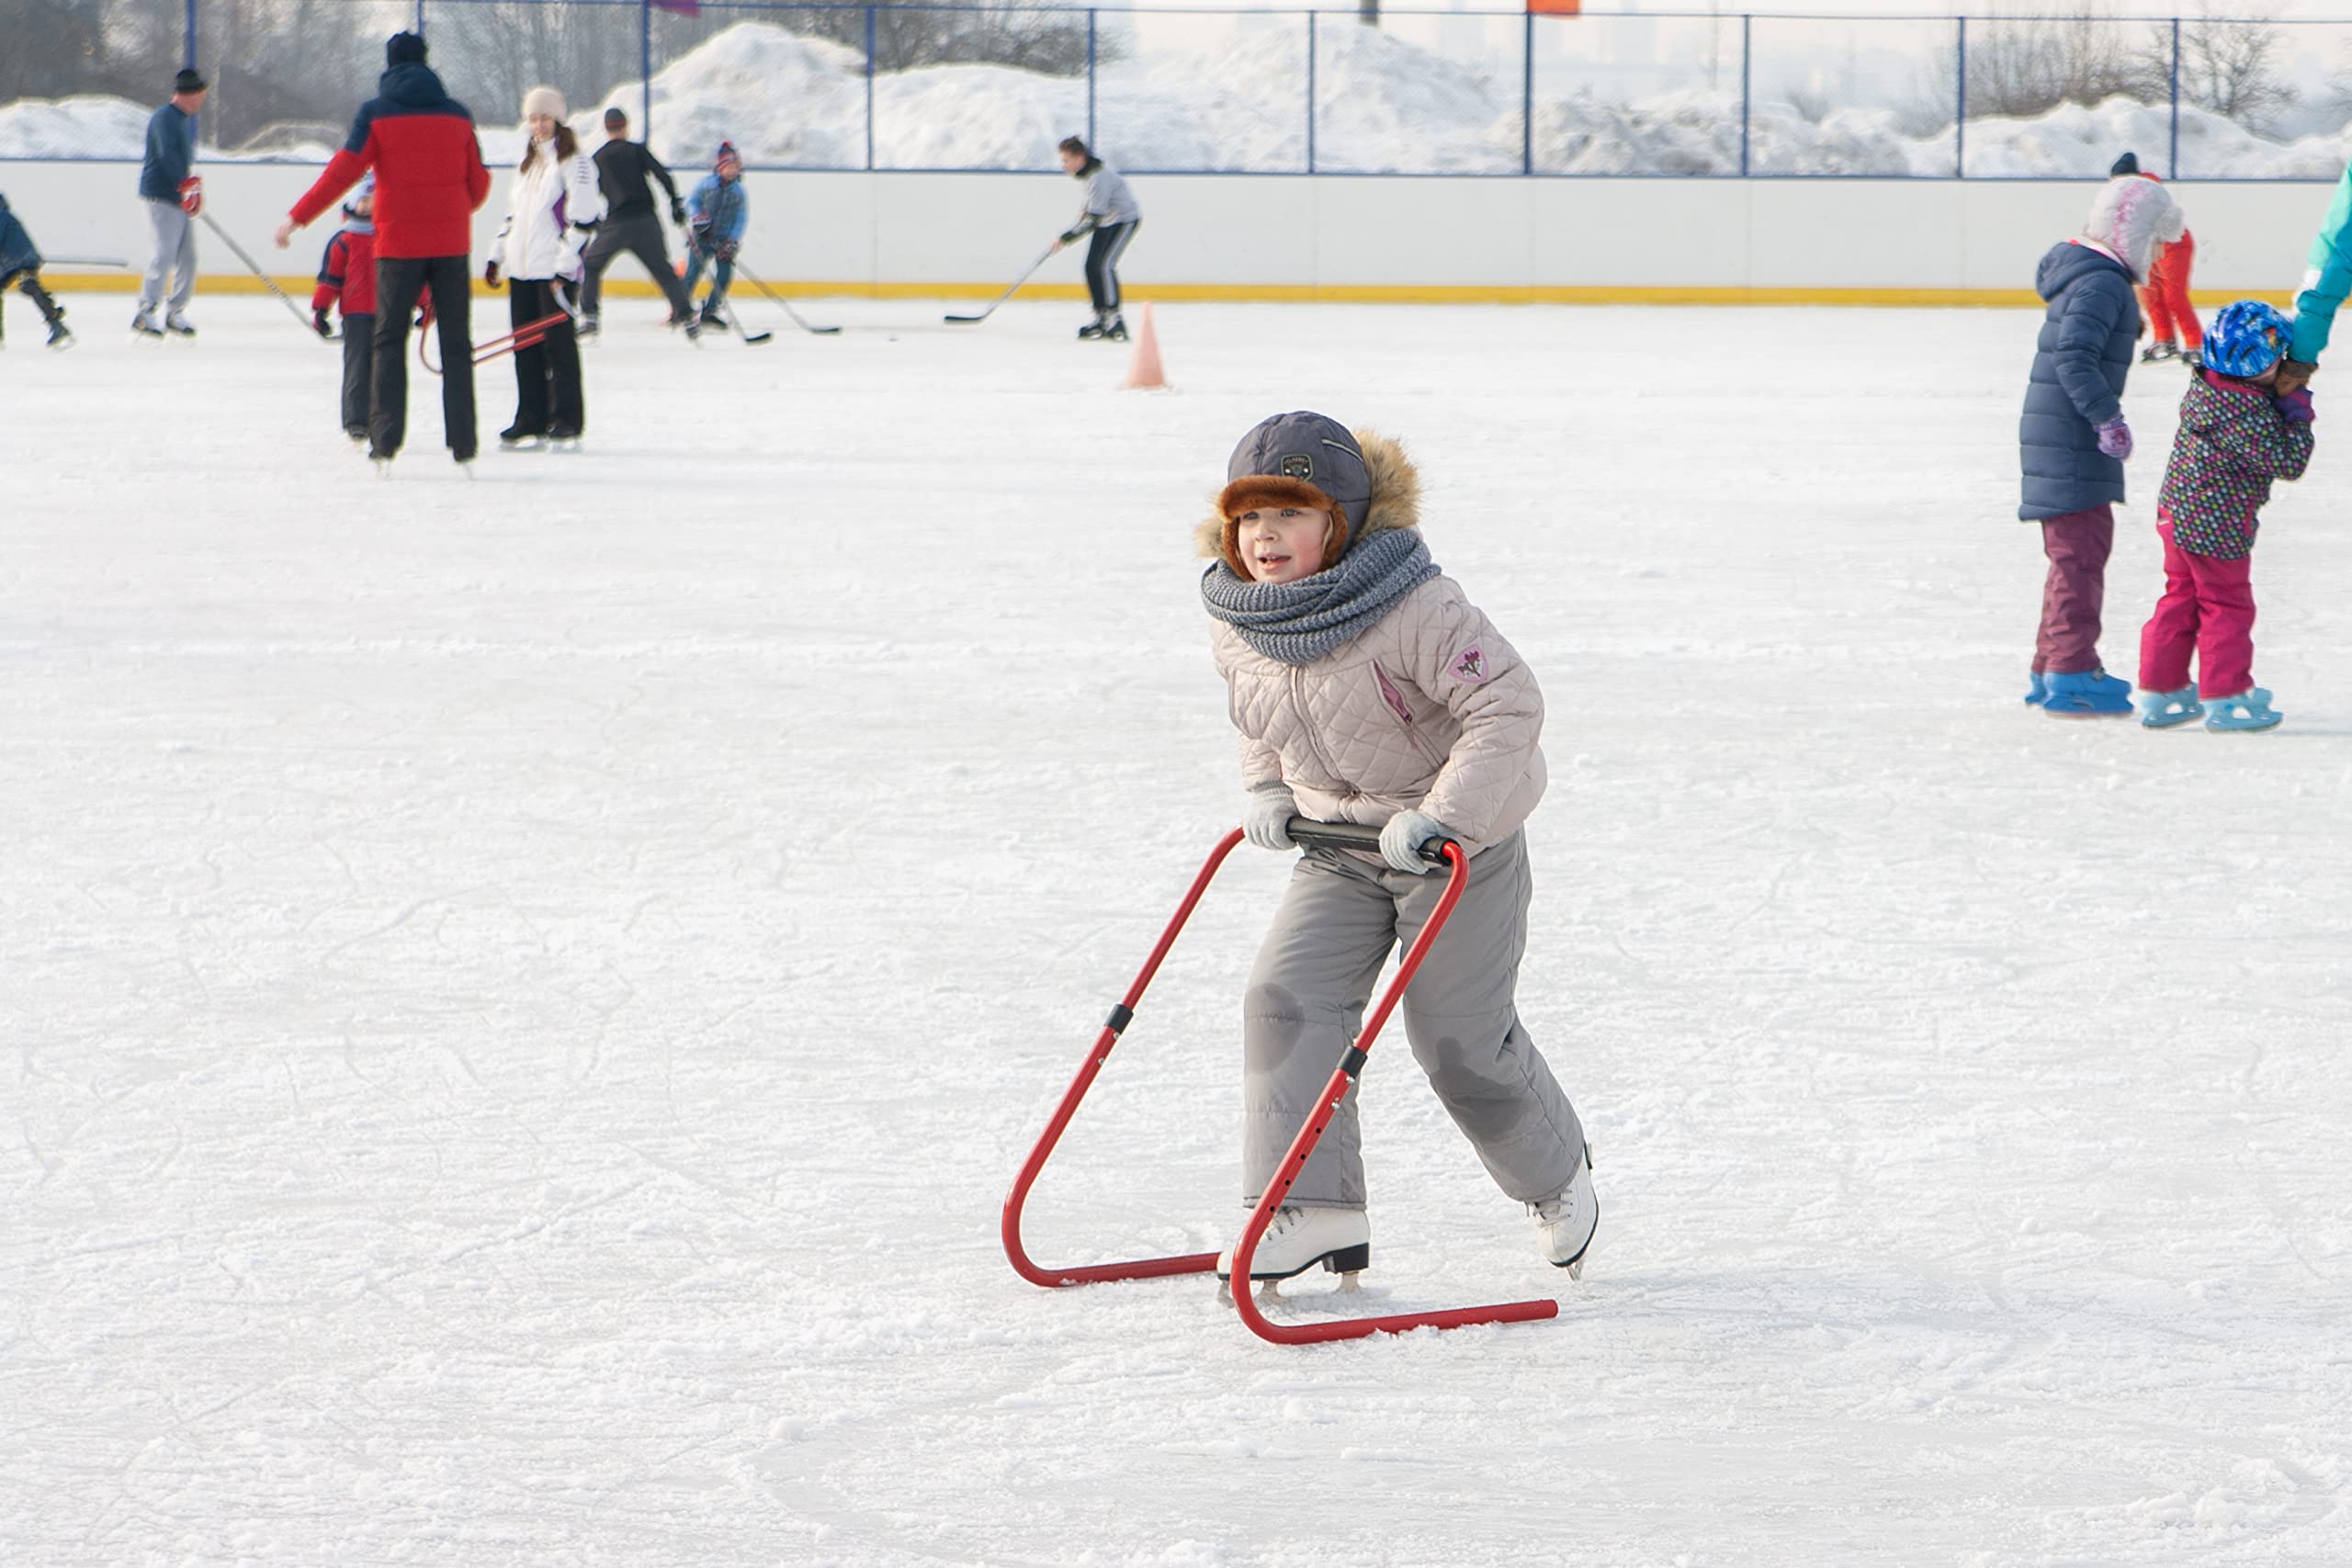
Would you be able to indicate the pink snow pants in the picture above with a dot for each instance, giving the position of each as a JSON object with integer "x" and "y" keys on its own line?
{"x": 2207, "y": 610}
{"x": 2077, "y": 544}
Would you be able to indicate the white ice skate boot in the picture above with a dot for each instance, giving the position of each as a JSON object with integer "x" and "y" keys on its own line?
{"x": 1297, "y": 1239}
{"x": 1565, "y": 1223}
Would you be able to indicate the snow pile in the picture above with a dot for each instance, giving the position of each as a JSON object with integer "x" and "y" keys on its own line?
{"x": 95, "y": 126}
{"x": 1382, "y": 104}
{"x": 85, "y": 127}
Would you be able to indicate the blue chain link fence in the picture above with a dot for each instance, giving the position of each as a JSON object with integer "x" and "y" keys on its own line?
{"x": 1273, "y": 92}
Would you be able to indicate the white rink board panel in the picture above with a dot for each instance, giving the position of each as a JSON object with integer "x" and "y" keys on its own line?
{"x": 1467, "y": 237}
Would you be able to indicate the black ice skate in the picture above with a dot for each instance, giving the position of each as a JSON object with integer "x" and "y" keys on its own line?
{"x": 59, "y": 337}
{"x": 1095, "y": 328}
{"x": 514, "y": 439}
{"x": 2159, "y": 351}
{"x": 562, "y": 438}
{"x": 1116, "y": 330}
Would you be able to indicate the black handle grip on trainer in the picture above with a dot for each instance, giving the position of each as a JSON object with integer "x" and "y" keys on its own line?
{"x": 1309, "y": 834}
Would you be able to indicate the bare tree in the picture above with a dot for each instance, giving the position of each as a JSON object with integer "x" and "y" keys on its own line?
{"x": 489, "y": 56}
{"x": 1052, "y": 42}
{"x": 2026, "y": 66}
{"x": 2229, "y": 65}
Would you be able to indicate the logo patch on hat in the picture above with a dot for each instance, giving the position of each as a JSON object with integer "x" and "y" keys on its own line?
{"x": 1470, "y": 665}
{"x": 1297, "y": 466}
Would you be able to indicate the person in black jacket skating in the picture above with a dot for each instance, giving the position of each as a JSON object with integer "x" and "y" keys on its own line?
{"x": 20, "y": 269}
{"x": 630, "y": 223}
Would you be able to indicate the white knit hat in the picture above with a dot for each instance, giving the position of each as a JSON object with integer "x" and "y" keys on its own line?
{"x": 543, "y": 100}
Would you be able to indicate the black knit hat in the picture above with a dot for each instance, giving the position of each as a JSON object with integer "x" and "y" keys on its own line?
{"x": 404, "y": 49}
{"x": 2127, "y": 165}
{"x": 189, "y": 81}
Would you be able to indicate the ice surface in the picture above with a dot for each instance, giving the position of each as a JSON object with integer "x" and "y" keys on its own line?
{"x": 522, "y": 996}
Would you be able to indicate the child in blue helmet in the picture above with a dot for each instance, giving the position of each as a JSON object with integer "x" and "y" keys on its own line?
{"x": 2238, "y": 434}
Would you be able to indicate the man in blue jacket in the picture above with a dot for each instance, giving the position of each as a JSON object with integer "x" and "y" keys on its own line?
{"x": 174, "y": 195}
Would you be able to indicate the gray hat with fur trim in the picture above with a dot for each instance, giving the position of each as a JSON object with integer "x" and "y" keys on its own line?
{"x": 1310, "y": 458}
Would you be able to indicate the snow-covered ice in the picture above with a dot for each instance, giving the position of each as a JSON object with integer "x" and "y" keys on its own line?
{"x": 522, "y": 996}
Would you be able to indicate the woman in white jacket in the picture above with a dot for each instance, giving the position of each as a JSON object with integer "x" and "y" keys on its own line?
{"x": 551, "y": 209}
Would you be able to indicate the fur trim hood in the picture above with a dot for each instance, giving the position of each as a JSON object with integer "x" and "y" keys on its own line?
{"x": 2133, "y": 216}
{"x": 1396, "y": 496}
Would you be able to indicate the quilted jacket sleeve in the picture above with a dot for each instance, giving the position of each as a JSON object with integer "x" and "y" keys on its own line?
{"x": 1454, "y": 654}
{"x": 1260, "y": 764}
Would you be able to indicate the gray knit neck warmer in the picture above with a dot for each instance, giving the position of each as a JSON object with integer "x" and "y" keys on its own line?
{"x": 1299, "y": 623}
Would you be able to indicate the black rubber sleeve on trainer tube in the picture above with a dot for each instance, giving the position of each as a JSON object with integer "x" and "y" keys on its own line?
{"x": 1307, "y": 834}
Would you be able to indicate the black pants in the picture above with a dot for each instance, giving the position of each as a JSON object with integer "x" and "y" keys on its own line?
{"x": 640, "y": 237}
{"x": 27, "y": 282}
{"x": 398, "y": 280}
{"x": 546, "y": 374}
{"x": 358, "y": 355}
{"x": 1103, "y": 255}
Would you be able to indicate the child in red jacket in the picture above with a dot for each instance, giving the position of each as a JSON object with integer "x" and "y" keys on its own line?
{"x": 347, "y": 277}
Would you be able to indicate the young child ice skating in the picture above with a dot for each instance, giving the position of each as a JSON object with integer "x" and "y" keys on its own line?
{"x": 1367, "y": 689}
{"x": 717, "y": 214}
{"x": 2073, "y": 436}
{"x": 20, "y": 269}
{"x": 348, "y": 279}
{"x": 2238, "y": 432}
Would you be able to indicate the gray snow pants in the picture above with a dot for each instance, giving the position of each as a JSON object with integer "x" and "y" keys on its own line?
{"x": 1313, "y": 979}
{"x": 174, "y": 258}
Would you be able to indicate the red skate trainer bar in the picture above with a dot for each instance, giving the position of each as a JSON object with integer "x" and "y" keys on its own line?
{"x": 1330, "y": 835}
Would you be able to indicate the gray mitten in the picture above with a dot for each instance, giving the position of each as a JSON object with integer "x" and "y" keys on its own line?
{"x": 1265, "y": 819}
{"x": 1401, "y": 840}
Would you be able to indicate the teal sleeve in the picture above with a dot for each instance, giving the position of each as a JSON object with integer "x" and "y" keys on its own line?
{"x": 2329, "y": 277}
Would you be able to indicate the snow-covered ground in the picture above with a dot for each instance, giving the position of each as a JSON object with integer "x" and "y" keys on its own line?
{"x": 1238, "y": 101}
{"x": 522, "y": 996}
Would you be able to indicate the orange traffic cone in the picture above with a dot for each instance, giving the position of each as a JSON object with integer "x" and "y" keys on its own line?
{"x": 1143, "y": 368}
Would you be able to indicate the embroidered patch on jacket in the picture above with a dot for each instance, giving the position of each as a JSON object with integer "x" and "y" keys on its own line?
{"x": 1470, "y": 665}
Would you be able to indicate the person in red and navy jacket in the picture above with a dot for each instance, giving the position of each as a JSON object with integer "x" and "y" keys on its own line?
{"x": 347, "y": 277}
{"x": 429, "y": 182}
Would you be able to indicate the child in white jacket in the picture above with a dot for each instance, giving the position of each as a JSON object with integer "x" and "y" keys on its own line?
{"x": 1368, "y": 689}
{"x": 551, "y": 211}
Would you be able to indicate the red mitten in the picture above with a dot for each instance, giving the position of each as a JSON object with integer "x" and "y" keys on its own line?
{"x": 192, "y": 196}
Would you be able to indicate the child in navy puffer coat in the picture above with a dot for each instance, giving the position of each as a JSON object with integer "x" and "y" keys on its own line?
{"x": 2073, "y": 436}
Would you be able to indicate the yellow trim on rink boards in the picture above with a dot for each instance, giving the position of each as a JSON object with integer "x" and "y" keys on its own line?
{"x": 300, "y": 290}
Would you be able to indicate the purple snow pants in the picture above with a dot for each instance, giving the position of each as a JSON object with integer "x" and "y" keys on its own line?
{"x": 2077, "y": 544}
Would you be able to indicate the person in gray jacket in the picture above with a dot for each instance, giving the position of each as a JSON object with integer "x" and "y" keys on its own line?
{"x": 174, "y": 197}
{"x": 1112, "y": 217}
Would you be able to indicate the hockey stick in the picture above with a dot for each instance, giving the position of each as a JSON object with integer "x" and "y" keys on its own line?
{"x": 254, "y": 267}
{"x": 83, "y": 260}
{"x": 797, "y": 319}
{"x": 984, "y": 315}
